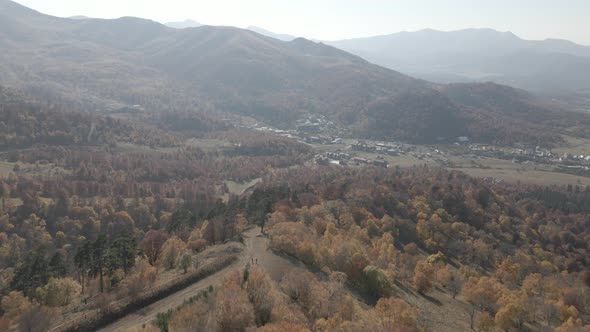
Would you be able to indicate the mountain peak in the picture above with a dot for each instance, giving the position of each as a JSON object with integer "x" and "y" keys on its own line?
{"x": 11, "y": 8}
{"x": 429, "y": 30}
{"x": 188, "y": 23}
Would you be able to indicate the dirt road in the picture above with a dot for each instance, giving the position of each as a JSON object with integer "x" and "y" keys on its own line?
{"x": 255, "y": 252}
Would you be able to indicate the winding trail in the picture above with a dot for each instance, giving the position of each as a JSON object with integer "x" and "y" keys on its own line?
{"x": 255, "y": 250}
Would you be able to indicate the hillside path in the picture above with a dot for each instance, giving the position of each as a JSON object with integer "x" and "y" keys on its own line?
{"x": 255, "y": 250}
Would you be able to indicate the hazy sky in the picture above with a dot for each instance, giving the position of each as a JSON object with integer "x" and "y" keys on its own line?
{"x": 339, "y": 19}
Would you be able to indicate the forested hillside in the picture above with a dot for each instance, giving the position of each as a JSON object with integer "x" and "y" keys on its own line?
{"x": 415, "y": 242}
{"x": 498, "y": 256}
{"x": 84, "y": 196}
{"x": 24, "y": 123}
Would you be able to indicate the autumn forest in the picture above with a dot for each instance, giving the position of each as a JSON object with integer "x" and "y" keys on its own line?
{"x": 216, "y": 179}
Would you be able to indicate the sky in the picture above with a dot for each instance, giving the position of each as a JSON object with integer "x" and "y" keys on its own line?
{"x": 342, "y": 19}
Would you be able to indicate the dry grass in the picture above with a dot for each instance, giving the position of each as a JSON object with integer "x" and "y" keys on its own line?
{"x": 5, "y": 168}
{"x": 575, "y": 145}
{"x": 544, "y": 178}
{"x": 502, "y": 169}
{"x": 208, "y": 144}
{"x": 461, "y": 162}
{"x": 33, "y": 170}
{"x": 136, "y": 148}
{"x": 438, "y": 310}
{"x": 237, "y": 188}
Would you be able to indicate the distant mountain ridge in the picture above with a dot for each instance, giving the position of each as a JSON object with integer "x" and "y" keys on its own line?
{"x": 79, "y": 17}
{"x": 479, "y": 55}
{"x": 473, "y": 40}
{"x": 279, "y": 36}
{"x": 223, "y": 69}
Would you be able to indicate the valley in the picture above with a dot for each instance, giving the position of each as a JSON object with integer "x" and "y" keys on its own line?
{"x": 564, "y": 165}
{"x": 191, "y": 177}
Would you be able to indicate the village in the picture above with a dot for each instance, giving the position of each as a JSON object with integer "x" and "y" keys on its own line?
{"x": 531, "y": 155}
{"x": 334, "y": 147}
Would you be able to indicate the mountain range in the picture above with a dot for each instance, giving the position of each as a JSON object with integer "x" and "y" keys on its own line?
{"x": 550, "y": 65}
{"x": 95, "y": 63}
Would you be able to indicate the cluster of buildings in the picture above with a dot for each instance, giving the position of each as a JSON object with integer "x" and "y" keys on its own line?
{"x": 345, "y": 159}
{"x": 391, "y": 149}
{"x": 530, "y": 154}
{"x": 491, "y": 180}
{"x": 379, "y": 162}
{"x": 302, "y": 136}
{"x": 425, "y": 153}
{"x": 575, "y": 162}
{"x": 120, "y": 109}
{"x": 316, "y": 124}
{"x": 320, "y": 139}
{"x": 576, "y": 157}
{"x": 311, "y": 130}
{"x": 313, "y": 125}
{"x": 534, "y": 153}
{"x": 435, "y": 156}
{"x": 537, "y": 155}
{"x": 317, "y": 129}
{"x": 338, "y": 155}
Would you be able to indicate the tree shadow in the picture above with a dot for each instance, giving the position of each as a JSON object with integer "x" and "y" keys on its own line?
{"x": 403, "y": 287}
{"x": 431, "y": 299}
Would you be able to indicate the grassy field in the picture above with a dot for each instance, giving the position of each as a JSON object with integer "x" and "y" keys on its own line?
{"x": 575, "y": 146}
{"x": 44, "y": 170}
{"x": 208, "y": 144}
{"x": 130, "y": 147}
{"x": 463, "y": 162}
{"x": 505, "y": 170}
{"x": 402, "y": 161}
{"x": 545, "y": 178}
{"x": 239, "y": 188}
{"x": 514, "y": 172}
{"x": 5, "y": 168}
{"x": 32, "y": 170}
{"x": 202, "y": 143}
